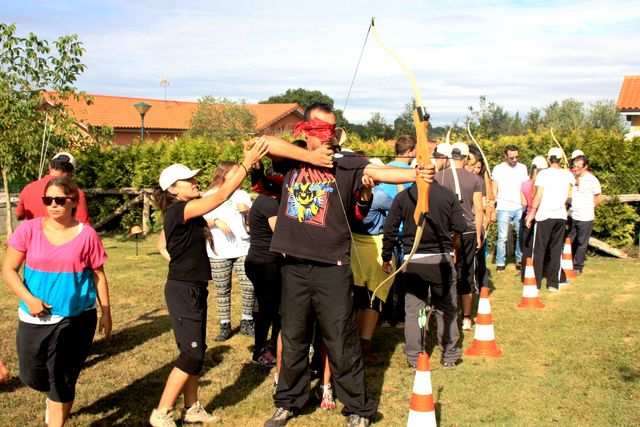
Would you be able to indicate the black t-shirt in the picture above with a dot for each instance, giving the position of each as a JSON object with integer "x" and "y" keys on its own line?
{"x": 263, "y": 208}
{"x": 444, "y": 219}
{"x": 469, "y": 183}
{"x": 186, "y": 243}
{"x": 312, "y": 223}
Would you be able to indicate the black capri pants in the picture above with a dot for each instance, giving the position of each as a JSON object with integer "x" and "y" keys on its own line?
{"x": 187, "y": 304}
{"x": 52, "y": 356}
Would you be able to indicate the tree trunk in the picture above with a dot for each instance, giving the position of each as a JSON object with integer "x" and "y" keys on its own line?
{"x": 8, "y": 225}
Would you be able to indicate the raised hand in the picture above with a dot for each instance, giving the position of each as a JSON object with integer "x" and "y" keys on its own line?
{"x": 426, "y": 172}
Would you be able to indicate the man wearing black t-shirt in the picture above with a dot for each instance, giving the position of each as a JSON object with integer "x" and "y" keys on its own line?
{"x": 312, "y": 231}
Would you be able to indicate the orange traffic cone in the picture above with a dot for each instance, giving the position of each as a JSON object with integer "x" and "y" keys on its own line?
{"x": 484, "y": 340}
{"x": 422, "y": 410}
{"x": 567, "y": 260}
{"x": 530, "y": 293}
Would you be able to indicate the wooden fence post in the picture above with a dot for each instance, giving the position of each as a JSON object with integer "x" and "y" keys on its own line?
{"x": 145, "y": 212}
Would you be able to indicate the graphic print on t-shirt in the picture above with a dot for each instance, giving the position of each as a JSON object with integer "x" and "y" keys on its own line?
{"x": 308, "y": 198}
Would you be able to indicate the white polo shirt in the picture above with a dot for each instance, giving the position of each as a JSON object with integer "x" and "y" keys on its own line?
{"x": 583, "y": 194}
{"x": 509, "y": 180}
{"x": 555, "y": 184}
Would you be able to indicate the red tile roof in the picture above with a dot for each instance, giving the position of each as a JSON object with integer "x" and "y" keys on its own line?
{"x": 629, "y": 98}
{"x": 119, "y": 112}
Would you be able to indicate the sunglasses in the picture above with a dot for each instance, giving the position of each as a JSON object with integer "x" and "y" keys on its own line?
{"x": 60, "y": 201}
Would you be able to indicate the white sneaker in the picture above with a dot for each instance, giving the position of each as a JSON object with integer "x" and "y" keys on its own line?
{"x": 162, "y": 418}
{"x": 197, "y": 414}
{"x": 466, "y": 324}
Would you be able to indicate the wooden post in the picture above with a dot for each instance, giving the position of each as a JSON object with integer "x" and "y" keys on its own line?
{"x": 145, "y": 212}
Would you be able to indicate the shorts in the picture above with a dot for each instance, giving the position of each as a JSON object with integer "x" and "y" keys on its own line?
{"x": 52, "y": 356}
{"x": 187, "y": 304}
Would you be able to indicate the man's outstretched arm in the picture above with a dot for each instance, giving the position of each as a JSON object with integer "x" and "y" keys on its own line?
{"x": 280, "y": 149}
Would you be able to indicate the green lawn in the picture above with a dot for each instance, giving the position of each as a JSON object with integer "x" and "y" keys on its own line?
{"x": 574, "y": 363}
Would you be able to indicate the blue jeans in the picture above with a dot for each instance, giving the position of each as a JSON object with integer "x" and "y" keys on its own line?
{"x": 504, "y": 218}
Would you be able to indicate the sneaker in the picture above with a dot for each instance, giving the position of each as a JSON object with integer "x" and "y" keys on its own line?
{"x": 197, "y": 414}
{"x": 327, "y": 402}
{"x": 355, "y": 420}
{"x": 578, "y": 272}
{"x": 225, "y": 332}
{"x": 519, "y": 265}
{"x": 565, "y": 283}
{"x": 265, "y": 358}
{"x": 411, "y": 365}
{"x": 279, "y": 418}
{"x": 449, "y": 365}
{"x": 369, "y": 357}
{"x": 552, "y": 289}
{"x": 500, "y": 268}
{"x": 247, "y": 327}
{"x": 162, "y": 418}
{"x": 466, "y": 323}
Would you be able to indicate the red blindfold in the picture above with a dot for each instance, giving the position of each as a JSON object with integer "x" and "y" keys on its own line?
{"x": 320, "y": 129}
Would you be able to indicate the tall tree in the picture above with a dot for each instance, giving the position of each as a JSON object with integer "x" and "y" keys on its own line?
{"x": 221, "y": 119}
{"x": 604, "y": 115}
{"x": 566, "y": 116}
{"x": 28, "y": 67}
{"x": 376, "y": 128}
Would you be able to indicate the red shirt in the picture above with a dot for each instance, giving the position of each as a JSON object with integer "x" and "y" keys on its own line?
{"x": 31, "y": 206}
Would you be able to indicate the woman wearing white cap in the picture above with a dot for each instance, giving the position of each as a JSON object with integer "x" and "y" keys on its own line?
{"x": 526, "y": 197}
{"x": 186, "y": 234}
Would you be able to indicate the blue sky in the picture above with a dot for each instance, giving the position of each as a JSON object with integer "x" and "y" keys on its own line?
{"x": 520, "y": 54}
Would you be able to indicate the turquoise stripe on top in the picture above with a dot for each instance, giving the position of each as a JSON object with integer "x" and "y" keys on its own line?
{"x": 68, "y": 294}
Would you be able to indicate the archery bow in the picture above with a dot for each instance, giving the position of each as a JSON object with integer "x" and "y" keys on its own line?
{"x": 564, "y": 155}
{"x": 421, "y": 122}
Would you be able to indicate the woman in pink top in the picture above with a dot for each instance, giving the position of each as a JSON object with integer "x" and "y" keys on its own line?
{"x": 63, "y": 279}
{"x": 527, "y": 191}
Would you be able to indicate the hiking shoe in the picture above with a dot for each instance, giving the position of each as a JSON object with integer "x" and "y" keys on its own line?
{"x": 197, "y": 414}
{"x": 225, "y": 332}
{"x": 519, "y": 265}
{"x": 552, "y": 289}
{"x": 247, "y": 327}
{"x": 355, "y": 420}
{"x": 466, "y": 323}
{"x": 449, "y": 365}
{"x": 324, "y": 393}
{"x": 500, "y": 268}
{"x": 162, "y": 418}
{"x": 265, "y": 358}
{"x": 279, "y": 418}
{"x": 565, "y": 283}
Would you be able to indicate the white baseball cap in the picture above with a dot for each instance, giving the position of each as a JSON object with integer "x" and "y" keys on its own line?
{"x": 174, "y": 173}
{"x": 444, "y": 149}
{"x": 461, "y": 147}
{"x": 540, "y": 162}
{"x": 576, "y": 153}
{"x": 555, "y": 151}
{"x": 69, "y": 158}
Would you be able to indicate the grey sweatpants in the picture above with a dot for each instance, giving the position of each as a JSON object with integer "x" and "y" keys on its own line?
{"x": 438, "y": 275}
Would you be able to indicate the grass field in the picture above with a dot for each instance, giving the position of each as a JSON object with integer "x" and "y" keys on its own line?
{"x": 577, "y": 362}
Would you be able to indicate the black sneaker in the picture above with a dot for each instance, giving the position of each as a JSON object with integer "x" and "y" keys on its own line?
{"x": 279, "y": 418}
{"x": 449, "y": 365}
{"x": 247, "y": 327}
{"x": 225, "y": 332}
{"x": 355, "y": 420}
{"x": 500, "y": 268}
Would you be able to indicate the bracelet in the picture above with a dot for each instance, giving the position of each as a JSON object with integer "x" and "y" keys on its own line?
{"x": 245, "y": 168}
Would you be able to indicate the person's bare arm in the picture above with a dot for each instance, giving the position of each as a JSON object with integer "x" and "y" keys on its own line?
{"x": 13, "y": 260}
{"x": 280, "y": 149}
{"x": 479, "y": 216}
{"x": 162, "y": 246}
{"x": 394, "y": 175}
{"x": 272, "y": 222}
{"x": 597, "y": 199}
{"x": 105, "y": 324}
{"x": 537, "y": 198}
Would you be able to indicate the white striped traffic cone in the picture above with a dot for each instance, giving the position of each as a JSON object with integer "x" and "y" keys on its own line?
{"x": 484, "y": 340}
{"x": 567, "y": 260}
{"x": 530, "y": 292}
{"x": 422, "y": 409}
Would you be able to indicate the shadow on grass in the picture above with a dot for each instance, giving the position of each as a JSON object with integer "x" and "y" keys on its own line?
{"x": 628, "y": 374}
{"x": 132, "y": 404}
{"x": 128, "y": 339}
{"x": 251, "y": 377}
{"x": 11, "y": 384}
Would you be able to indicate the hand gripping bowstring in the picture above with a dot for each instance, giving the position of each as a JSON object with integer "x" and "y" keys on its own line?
{"x": 421, "y": 122}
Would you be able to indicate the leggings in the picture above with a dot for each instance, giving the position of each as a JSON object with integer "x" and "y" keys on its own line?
{"x": 267, "y": 281}
{"x": 221, "y": 272}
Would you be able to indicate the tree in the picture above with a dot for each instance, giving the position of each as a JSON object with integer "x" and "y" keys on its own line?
{"x": 28, "y": 67}
{"x": 376, "y": 128}
{"x": 221, "y": 119}
{"x": 533, "y": 121}
{"x": 565, "y": 117}
{"x": 604, "y": 115}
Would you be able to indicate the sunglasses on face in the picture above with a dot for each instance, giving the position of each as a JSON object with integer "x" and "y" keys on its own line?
{"x": 60, "y": 201}
{"x": 512, "y": 157}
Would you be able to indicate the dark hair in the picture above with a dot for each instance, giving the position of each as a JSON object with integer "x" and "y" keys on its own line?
{"x": 554, "y": 159}
{"x": 163, "y": 199}
{"x": 221, "y": 171}
{"x": 68, "y": 187}
{"x": 584, "y": 158}
{"x": 404, "y": 144}
{"x": 316, "y": 106}
{"x": 510, "y": 148}
{"x": 61, "y": 163}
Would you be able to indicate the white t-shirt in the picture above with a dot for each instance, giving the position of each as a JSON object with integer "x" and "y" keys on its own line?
{"x": 509, "y": 180}
{"x": 555, "y": 183}
{"x": 235, "y": 245}
{"x": 582, "y": 196}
